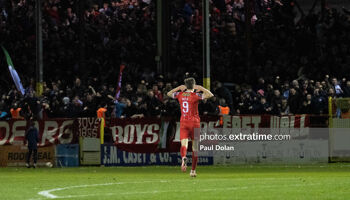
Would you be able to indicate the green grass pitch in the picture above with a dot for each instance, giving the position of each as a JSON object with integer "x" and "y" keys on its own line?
{"x": 324, "y": 181}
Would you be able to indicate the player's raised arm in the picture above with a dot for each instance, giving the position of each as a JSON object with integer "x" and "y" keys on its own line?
{"x": 206, "y": 93}
{"x": 171, "y": 92}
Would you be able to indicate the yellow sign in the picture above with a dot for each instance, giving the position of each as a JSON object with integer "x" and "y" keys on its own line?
{"x": 206, "y": 83}
{"x": 39, "y": 89}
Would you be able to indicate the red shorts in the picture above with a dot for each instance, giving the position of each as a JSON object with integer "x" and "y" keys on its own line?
{"x": 188, "y": 128}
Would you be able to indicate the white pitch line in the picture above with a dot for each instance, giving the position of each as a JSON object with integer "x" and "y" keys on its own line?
{"x": 47, "y": 193}
{"x": 151, "y": 192}
{"x": 166, "y": 191}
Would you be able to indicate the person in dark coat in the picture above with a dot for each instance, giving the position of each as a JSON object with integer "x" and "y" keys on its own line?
{"x": 32, "y": 138}
{"x": 346, "y": 89}
{"x": 293, "y": 101}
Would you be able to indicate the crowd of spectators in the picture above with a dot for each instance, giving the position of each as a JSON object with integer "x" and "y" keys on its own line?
{"x": 140, "y": 99}
{"x": 284, "y": 40}
{"x": 285, "y": 74}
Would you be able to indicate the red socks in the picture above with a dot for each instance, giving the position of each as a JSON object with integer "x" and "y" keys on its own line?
{"x": 183, "y": 151}
{"x": 194, "y": 159}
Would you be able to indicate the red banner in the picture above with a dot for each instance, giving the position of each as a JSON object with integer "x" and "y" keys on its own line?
{"x": 87, "y": 127}
{"x": 136, "y": 135}
{"x": 148, "y": 135}
{"x": 55, "y": 131}
{"x": 266, "y": 121}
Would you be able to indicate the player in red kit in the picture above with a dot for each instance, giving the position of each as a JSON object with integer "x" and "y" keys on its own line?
{"x": 189, "y": 96}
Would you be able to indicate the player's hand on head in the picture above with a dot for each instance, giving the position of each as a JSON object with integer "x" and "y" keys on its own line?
{"x": 182, "y": 87}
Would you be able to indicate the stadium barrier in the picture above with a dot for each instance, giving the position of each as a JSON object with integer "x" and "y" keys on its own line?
{"x": 339, "y": 124}
{"x": 90, "y": 151}
{"x": 149, "y": 135}
{"x": 148, "y": 141}
{"x": 67, "y": 155}
{"x": 91, "y": 133}
{"x": 15, "y": 155}
{"x": 112, "y": 156}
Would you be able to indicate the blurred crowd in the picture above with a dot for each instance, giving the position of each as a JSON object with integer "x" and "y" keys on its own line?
{"x": 281, "y": 40}
{"x": 148, "y": 98}
{"x": 290, "y": 53}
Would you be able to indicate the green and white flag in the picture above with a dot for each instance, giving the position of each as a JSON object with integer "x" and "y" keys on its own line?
{"x": 13, "y": 72}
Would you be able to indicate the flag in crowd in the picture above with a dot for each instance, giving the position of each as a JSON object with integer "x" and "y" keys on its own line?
{"x": 119, "y": 82}
{"x": 13, "y": 72}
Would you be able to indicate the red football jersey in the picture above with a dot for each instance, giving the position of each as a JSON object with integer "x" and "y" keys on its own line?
{"x": 189, "y": 105}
